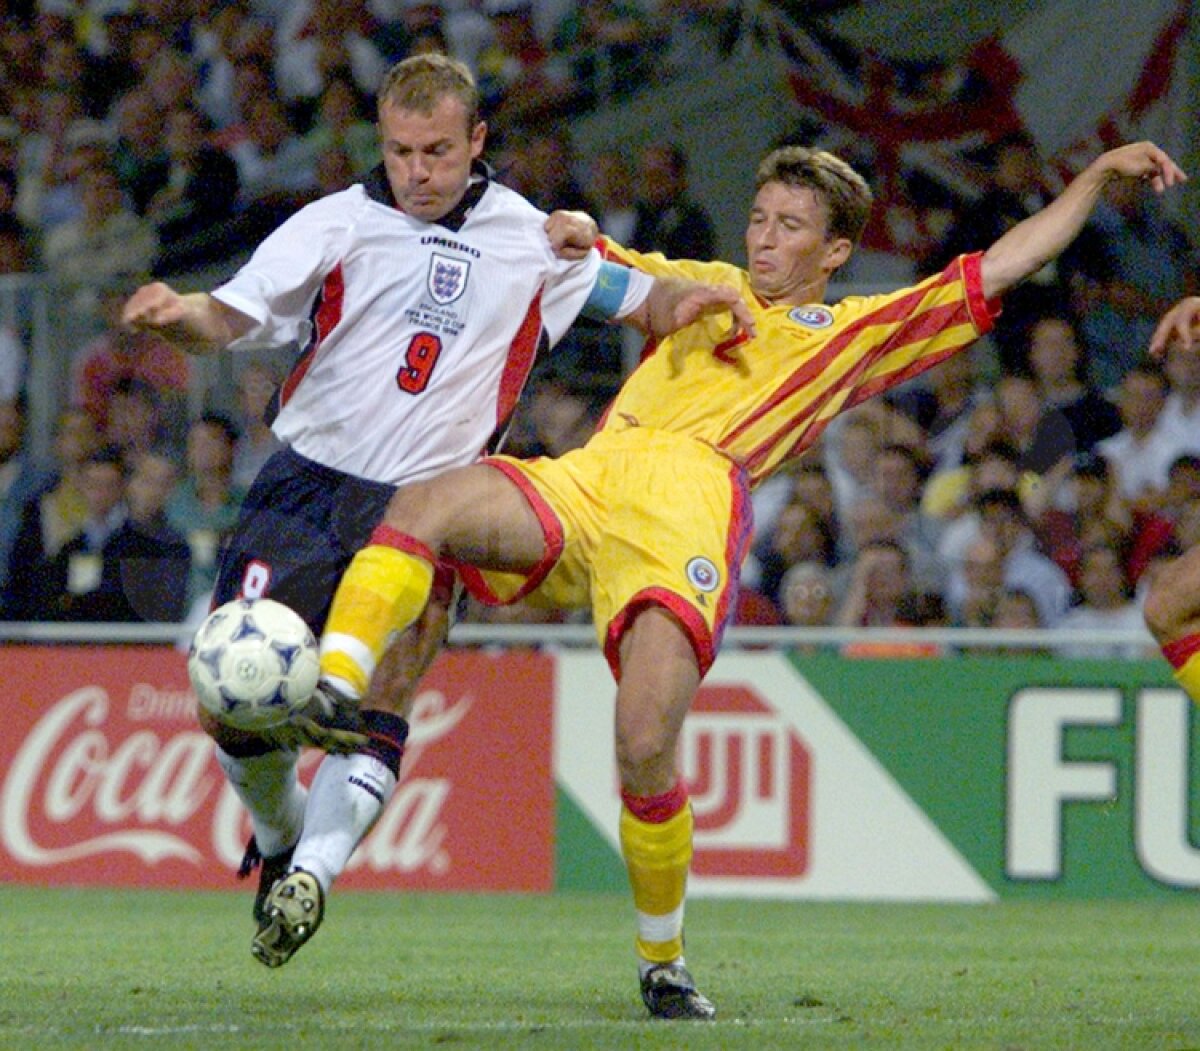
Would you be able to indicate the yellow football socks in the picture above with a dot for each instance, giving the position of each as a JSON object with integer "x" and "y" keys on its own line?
{"x": 383, "y": 591}
{"x": 657, "y": 856}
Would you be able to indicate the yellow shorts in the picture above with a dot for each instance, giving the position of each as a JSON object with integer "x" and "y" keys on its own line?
{"x": 635, "y": 518}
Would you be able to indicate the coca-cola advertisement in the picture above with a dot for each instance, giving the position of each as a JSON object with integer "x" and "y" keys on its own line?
{"x": 108, "y": 780}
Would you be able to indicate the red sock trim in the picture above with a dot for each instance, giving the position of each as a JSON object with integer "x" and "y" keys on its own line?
{"x": 1180, "y": 651}
{"x": 387, "y": 536}
{"x": 654, "y": 810}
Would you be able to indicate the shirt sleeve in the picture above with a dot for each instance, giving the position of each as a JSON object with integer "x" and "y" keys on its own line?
{"x": 278, "y": 284}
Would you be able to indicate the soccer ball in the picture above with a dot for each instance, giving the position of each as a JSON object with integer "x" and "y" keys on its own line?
{"x": 252, "y": 662}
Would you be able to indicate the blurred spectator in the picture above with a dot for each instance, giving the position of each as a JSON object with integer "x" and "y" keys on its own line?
{"x": 1127, "y": 266}
{"x": 171, "y": 80}
{"x": 897, "y": 477}
{"x": 18, "y": 55}
{"x": 612, "y": 191}
{"x": 540, "y": 166}
{"x": 107, "y": 243}
{"x": 811, "y": 484}
{"x": 344, "y": 122}
{"x": 880, "y": 578}
{"x": 611, "y": 47}
{"x": 256, "y": 386}
{"x": 800, "y": 534}
{"x": 205, "y": 504}
{"x": 520, "y": 82}
{"x": 50, "y": 132}
{"x": 1002, "y": 520}
{"x": 669, "y": 219}
{"x": 699, "y": 32}
{"x": 16, "y": 257}
{"x": 982, "y": 584}
{"x": 147, "y": 563}
{"x": 1020, "y": 406}
{"x": 1016, "y": 611}
{"x": 137, "y": 418}
{"x": 60, "y": 510}
{"x": 109, "y": 69}
{"x": 949, "y": 496}
{"x": 849, "y": 459}
{"x": 335, "y": 171}
{"x": 941, "y": 406}
{"x": 140, "y": 155}
{"x": 1142, "y": 451}
{"x": 1074, "y": 417}
{"x": 806, "y": 595}
{"x": 273, "y": 164}
{"x": 1017, "y": 189}
{"x": 22, "y": 482}
{"x": 222, "y": 34}
{"x": 199, "y": 197}
{"x": 119, "y": 355}
{"x": 253, "y": 78}
{"x": 1181, "y": 414}
{"x": 319, "y": 39}
{"x": 1106, "y": 604}
{"x": 56, "y": 585}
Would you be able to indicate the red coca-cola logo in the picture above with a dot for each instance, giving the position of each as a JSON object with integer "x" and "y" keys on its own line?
{"x": 109, "y": 780}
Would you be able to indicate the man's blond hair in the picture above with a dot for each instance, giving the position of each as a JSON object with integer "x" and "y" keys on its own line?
{"x": 420, "y": 82}
{"x": 845, "y": 193}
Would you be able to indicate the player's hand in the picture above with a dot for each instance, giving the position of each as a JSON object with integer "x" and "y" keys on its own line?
{"x": 1142, "y": 160}
{"x": 154, "y": 306}
{"x": 1179, "y": 327}
{"x": 572, "y": 234}
{"x": 701, "y": 300}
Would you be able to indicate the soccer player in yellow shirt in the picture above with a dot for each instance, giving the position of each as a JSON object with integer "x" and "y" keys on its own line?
{"x": 648, "y": 523}
{"x": 1172, "y": 607}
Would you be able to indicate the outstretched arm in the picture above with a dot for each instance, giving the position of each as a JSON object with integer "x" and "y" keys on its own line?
{"x": 194, "y": 321}
{"x": 1180, "y": 326}
{"x": 1034, "y": 242}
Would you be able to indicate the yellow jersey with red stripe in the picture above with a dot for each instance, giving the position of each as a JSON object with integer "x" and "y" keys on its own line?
{"x": 763, "y": 401}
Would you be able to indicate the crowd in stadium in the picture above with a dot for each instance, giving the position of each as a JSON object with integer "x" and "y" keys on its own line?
{"x": 1039, "y": 480}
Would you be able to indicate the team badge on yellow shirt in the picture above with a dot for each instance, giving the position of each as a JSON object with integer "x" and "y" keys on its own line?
{"x": 812, "y": 316}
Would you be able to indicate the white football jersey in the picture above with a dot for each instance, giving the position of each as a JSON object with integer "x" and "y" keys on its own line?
{"x": 417, "y": 337}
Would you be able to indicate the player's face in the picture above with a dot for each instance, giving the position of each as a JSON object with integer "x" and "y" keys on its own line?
{"x": 788, "y": 246}
{"x": 428, "y": 156}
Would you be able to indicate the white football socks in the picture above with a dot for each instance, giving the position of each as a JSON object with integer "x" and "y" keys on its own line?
{"x": 269, "y": 789}
{"x": 347, "y": 796}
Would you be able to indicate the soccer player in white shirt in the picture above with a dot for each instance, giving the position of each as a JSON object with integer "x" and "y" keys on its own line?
{"x": 420, "y": 298}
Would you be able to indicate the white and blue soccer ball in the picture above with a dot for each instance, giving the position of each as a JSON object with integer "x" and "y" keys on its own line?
{"x": 252, "y": 663}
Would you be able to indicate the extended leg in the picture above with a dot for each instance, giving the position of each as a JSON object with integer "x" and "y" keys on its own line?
{"x": 659, "y": 678}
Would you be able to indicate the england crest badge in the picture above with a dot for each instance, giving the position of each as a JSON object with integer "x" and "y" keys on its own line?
{"x": 447, "y": 278}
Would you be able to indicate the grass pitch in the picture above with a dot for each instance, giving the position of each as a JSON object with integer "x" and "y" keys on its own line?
{"x": 130, "y": 969}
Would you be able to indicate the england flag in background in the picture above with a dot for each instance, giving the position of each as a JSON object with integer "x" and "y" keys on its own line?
{"x": 914, "y": 94}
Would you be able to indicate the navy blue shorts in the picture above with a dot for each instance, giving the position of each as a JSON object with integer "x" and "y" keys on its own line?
{"x": 299, "y": 526}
